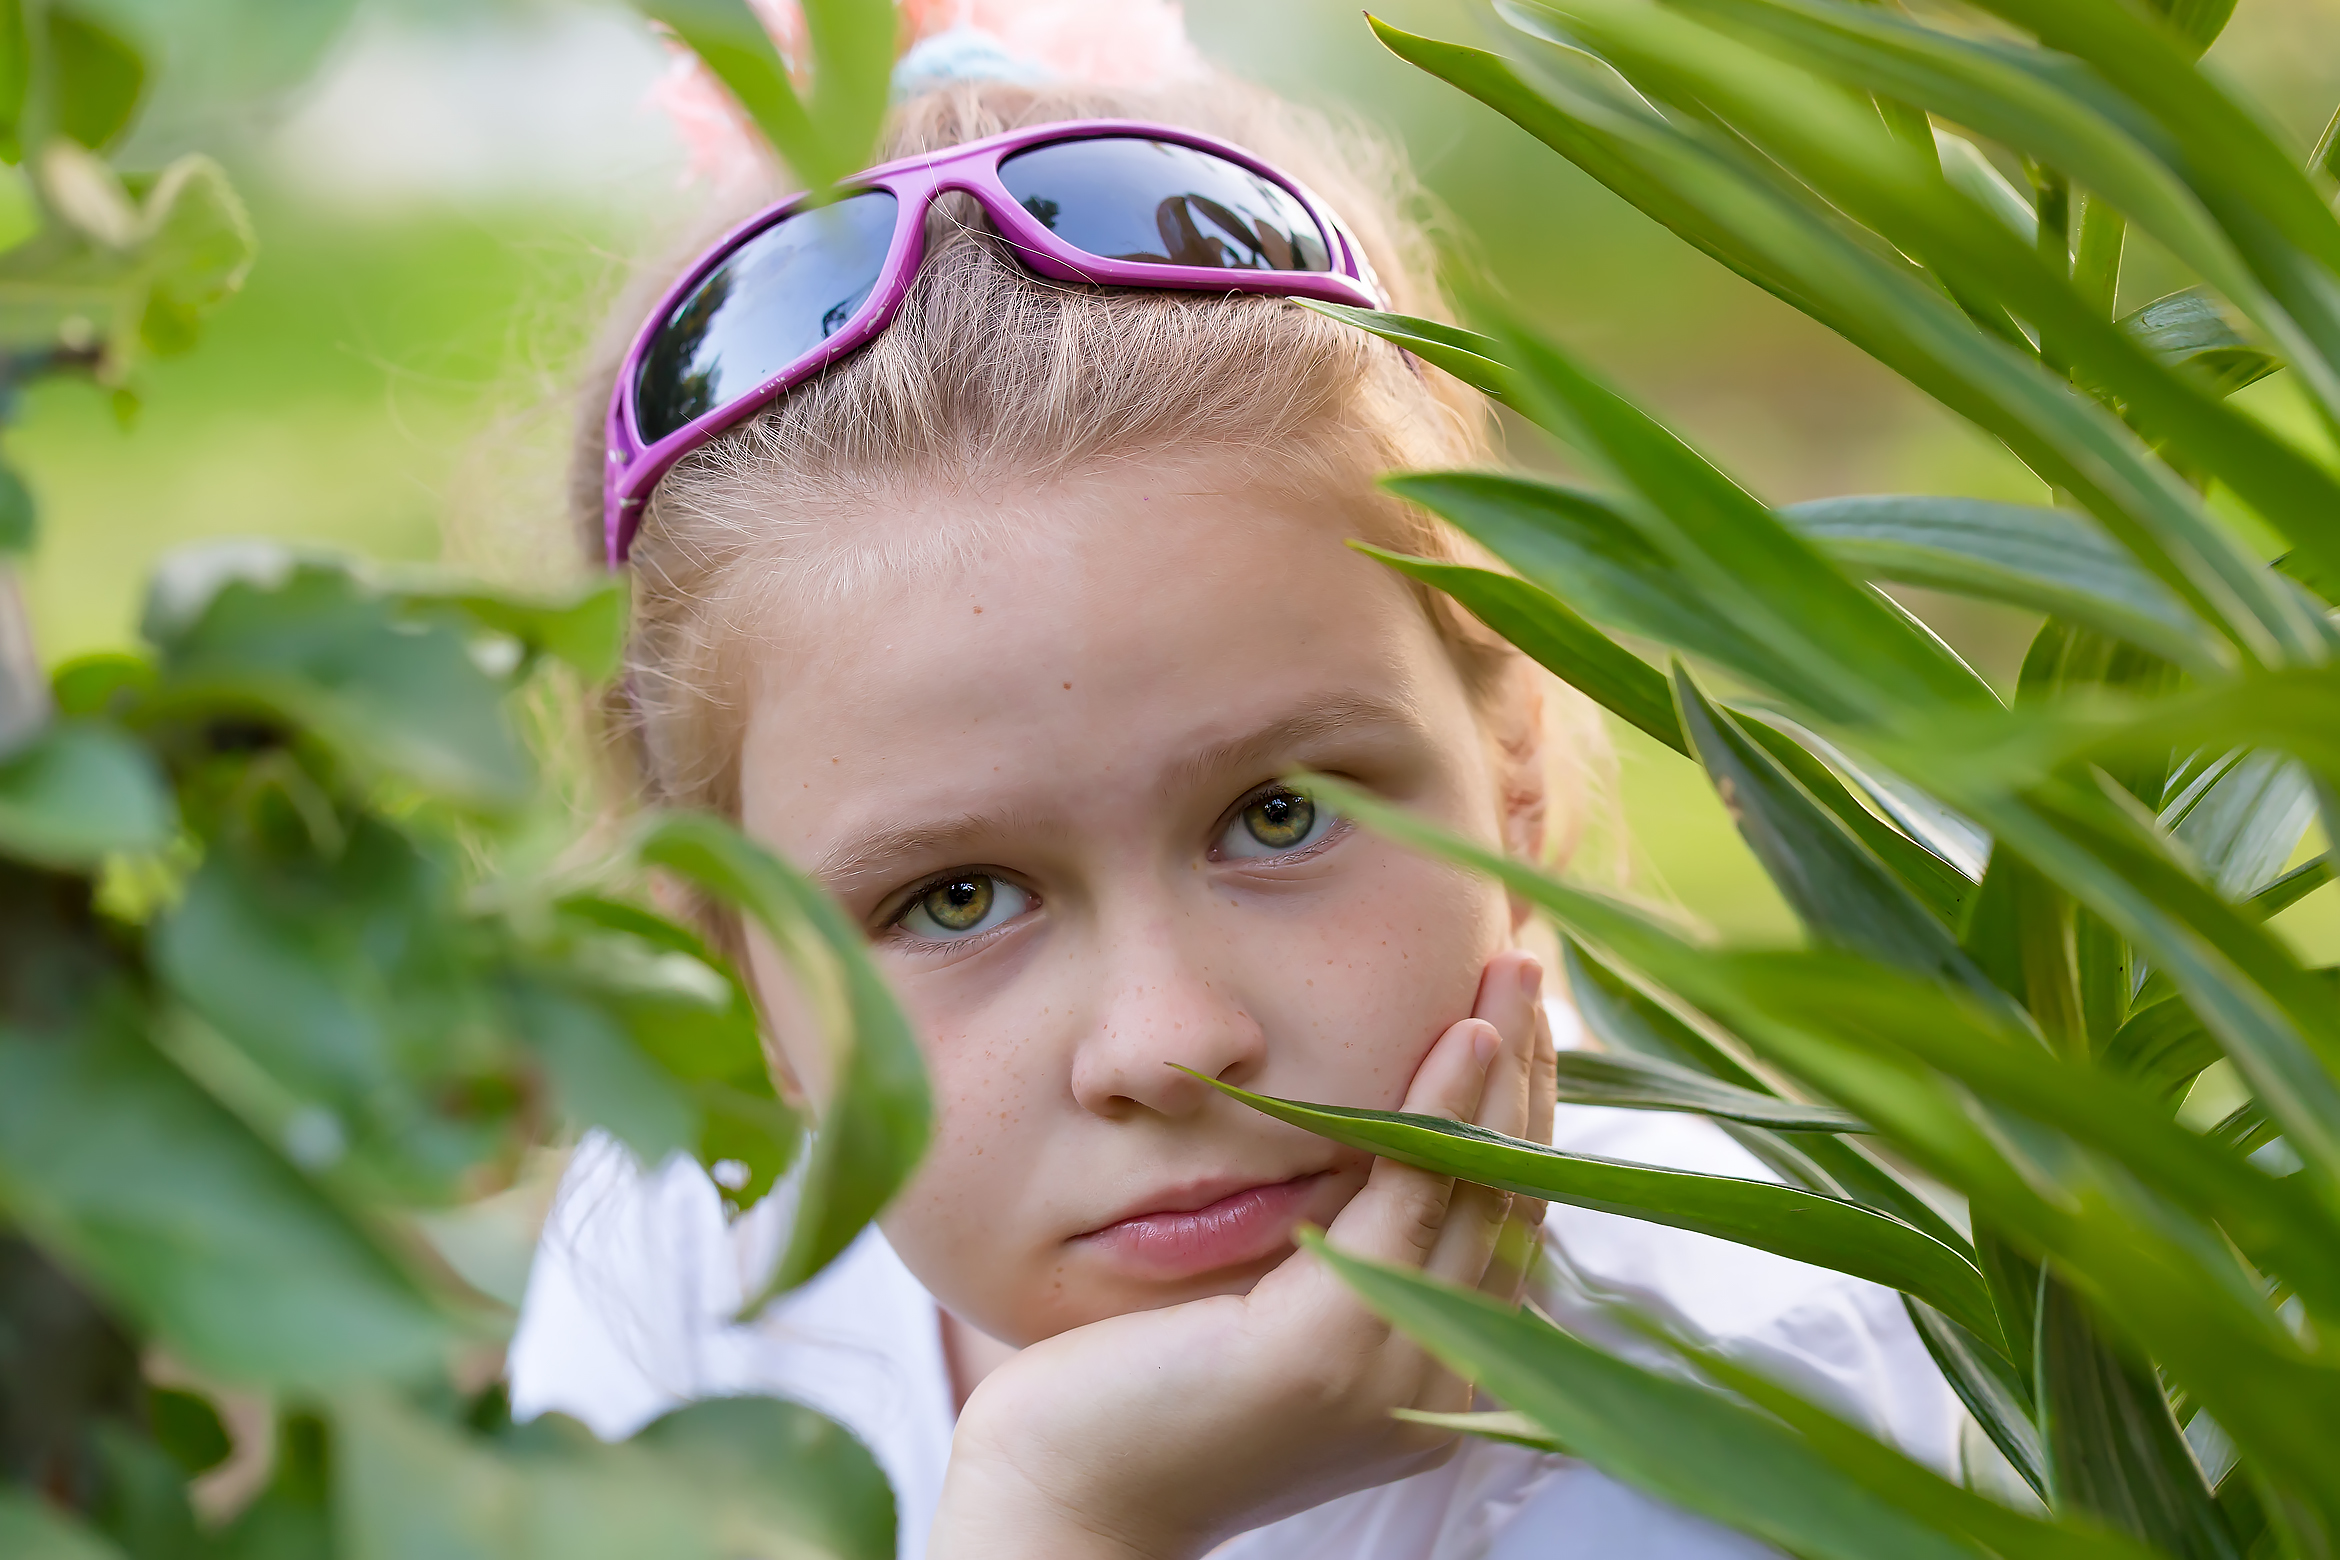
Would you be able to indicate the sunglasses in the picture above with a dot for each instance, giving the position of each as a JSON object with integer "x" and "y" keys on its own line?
{"x": 1108, "y": 202}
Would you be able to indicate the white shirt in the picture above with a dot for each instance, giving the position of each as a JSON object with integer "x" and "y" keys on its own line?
{"x": 629, "y": 1306}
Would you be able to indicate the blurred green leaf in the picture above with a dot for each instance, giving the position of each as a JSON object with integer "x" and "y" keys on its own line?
{"x": 1990, "y": 1386}
{"x": 114, "y": 1160}
{"x": 1803, "y": 1226}
{"x": 95, "y": 76}
{"x": 32, "y": 1529}
{"x": 828, "y": 135}
{"x": 1555, "y": 637}
{"x": 2242, "y": 817}
{"x": 599, "y": 1074}
{"x": 2113, "y": 1447}
{"x": 587, "y": 631}
{"x": 89, "y": 686}
{"x": 79, "y": 792}
{"x": 2022, "y": 554}
{"x": 188, "y": 1429}
{"x": 1499, "y": 1424}
{"x": 19, "y": 515}
{"x": 1677, "y": 1441}
{"x": 1638, "y": 1083}
{"x": 874, "y": 1125}
{"x": 726, "y": 1479}
{"x": 261, "y": 633}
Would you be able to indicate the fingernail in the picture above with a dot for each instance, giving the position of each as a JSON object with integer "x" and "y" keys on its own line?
{"x": 1531, "y": 978}
{"x": 1484, "y": 1043}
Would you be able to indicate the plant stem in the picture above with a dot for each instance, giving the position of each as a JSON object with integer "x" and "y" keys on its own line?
{"x": 2051, "y": 200}
{"x": 2096, "y": 270}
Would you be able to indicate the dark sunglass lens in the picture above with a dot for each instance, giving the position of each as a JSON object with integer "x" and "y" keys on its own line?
{"x": 779, "y": 295}
{"x": 1125, "y": 198}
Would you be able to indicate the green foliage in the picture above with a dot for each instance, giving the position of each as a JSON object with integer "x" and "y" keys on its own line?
{"x": 822, "y": 134}
{"x": 2033, "y": 923}
{"x": 274, "y": 995}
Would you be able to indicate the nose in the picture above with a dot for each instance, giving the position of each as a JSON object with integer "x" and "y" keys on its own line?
{"x": 1164, "y": 1007}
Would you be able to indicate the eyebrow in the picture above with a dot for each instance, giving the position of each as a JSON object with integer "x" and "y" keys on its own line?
{"x": 1302, "y": 728}
{"x": 846, "y": 868}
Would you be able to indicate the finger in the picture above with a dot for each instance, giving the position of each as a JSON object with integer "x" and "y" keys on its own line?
{"x": 1399, "y": 1213}
{"x": 1508, "y": 998}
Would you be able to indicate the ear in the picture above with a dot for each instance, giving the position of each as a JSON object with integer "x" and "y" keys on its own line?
{"x": 1523, "y": 784}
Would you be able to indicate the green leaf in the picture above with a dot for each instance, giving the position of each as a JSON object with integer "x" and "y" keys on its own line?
{"x": 2023, "y": 554}
{"x": 600, "y": 1076}
{"x": 874, "y": 1125}
{"x": 1638, "y": 1083}
{"x": 19, "y": 515}
{"x": 2188, "y": 330}
{"x": 587, "y": 630}
{"x": 1987, "y": 1383}
{"x": 2113, "y": 1446}
{"x": 32, "y": 1529}
{"x": 1679, "y": 1442}
{"x": 1829, "y": 1232}
{"x": 852, "y": 46}
{"x": 1940, "y": 885}
{"x": 1467, "y": 355}
{"x": 722, "y": 1478}
{"x": 95, "y": 77}
{"x": 80, "y": 792}
{"x": 304, "y": 641}
{"x": 2241, "y": 818}
{"x": 96, "y": 685}
{"x": 1505, "y": 1425}
{"x": 1550, "y": 633}
{"x": 169, "y": 1206}
{"x": 1744, "y": 563}
{"x": 2293, "y": 886}
{"x": 1580, "y": 548}
{"x": 188, "y": 1429}
{"x": 1840, "y": 890}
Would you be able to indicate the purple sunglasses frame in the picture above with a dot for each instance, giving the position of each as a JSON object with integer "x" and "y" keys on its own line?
{"x": 633, "y": 469}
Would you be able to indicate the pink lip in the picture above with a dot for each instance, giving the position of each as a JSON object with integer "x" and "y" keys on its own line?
{"x": 1236, "y": 1227}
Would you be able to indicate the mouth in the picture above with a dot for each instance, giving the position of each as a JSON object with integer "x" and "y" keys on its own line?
{"x": 1219, "y": 1227}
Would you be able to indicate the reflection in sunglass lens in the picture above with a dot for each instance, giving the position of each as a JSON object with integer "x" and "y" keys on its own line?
{"x": 1125, "y": 198}
{"x": 778, "y": 296}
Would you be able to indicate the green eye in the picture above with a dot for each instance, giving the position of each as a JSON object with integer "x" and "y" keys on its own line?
{"x": 959, "y": 905}
{"x": 1280, "y": 820}
{"x": 1274, "y": 822}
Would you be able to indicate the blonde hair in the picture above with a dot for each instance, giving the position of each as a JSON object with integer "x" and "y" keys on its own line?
{"x": 991, "y": 374}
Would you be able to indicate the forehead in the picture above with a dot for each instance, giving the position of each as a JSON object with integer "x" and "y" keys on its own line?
{"x": 1114, "y": 628}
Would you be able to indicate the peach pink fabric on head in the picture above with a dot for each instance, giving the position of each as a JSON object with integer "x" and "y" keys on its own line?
{"x": 1107, "y": 43}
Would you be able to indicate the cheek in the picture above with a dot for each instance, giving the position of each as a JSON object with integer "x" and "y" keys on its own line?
{"x": 1365, "y": 985}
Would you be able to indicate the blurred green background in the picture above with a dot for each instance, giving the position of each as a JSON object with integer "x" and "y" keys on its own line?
{"x": 448, "y": 191}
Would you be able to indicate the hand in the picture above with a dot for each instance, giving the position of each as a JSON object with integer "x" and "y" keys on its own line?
{"x": 1155, "y": 1435}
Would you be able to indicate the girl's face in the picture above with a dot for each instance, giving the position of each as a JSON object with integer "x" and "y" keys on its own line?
{"x": 1047, "y": 781}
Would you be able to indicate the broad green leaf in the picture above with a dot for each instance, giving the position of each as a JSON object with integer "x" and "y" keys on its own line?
{"x": 79, "y": 792}
{"x": 1550, "y": 633}
{"x": 100, "y": 684}
{"x": 2163, "y": 1045}
{"x": 1840, "y": 890}
{"x": 1639, "y": 1083}
{"x": 32, "y": 1529}
{"x": 1990, "y": 1387}
{"x": 1467, "y": 355}
{"x": 2022, "y": 554}
{"x": 822, "y": 137}
{"x": 599, "y": 1075}
{"x": 2113, "y": 1447}
{"x": 2241, "y": 819}
{"x": 180, "y": 1216}
{"x": 19, "y": 515}
{"x": 1830, "y": 1232}
{"x": 1582, "y": 549}
{"x": 1679, "y": 1442}
{"x": 304, "y": 642}
{"x": 874, "y": 1125}
{"x": 348, "y": 980}
{"x": 587, "y": 631}
{"x": 95, "y": 77}
{"x": 752, "y": 1478}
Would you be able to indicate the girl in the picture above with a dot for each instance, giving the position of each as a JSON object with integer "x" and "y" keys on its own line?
{"x": 995, "y": 579}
